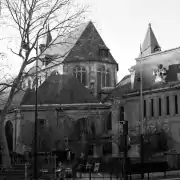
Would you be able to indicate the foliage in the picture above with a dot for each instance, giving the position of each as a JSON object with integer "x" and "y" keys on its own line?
{"x": 155, "y": 143}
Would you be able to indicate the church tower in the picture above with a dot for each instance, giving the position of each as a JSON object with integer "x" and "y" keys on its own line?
{"x": 150, "y": 44}
{"x": 47, "y": 38}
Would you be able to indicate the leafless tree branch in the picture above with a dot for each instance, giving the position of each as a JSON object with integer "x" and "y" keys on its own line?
{"x": 29, "y": 18}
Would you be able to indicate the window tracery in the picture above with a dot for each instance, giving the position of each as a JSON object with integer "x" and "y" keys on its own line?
{"x": 103, "y": 76}
{"x": 80, "y": 74}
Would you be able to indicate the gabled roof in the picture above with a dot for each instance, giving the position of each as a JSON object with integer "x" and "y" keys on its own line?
{"x": 60, "y": 89}
{"x": 150, "y": 44}
{"x": 87, "y": 47}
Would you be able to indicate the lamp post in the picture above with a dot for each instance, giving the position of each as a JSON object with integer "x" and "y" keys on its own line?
{"x": 36, "y": 120}
{"x": 141, "y": 117}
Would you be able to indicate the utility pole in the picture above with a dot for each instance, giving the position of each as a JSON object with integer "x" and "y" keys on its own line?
{"x": 141, "y": 117}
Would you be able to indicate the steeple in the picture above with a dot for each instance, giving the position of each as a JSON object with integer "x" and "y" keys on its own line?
{"x": 46, "y": 39}
{"x": 150, "y": 44}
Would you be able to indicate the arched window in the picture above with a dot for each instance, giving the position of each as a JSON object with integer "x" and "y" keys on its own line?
{"x": 29, "y": 83}
{"x": 121, "y": 113}
{"x": 80, "y": 74}
{"x": 40, "y": 80}
{"x": 103, "y": 77}
{"x": 9, "y": 135}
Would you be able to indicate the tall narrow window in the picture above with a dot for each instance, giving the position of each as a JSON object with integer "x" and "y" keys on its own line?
{"x": 107, "y": 148}
{"x": 109, "y": 122}
{"x": 103, "y": 77}
{"x": 40, "y": 80}
{"x": 103, "y": 74}
{"x": 121, "y": 113}
{"x": 144, "y": 108}
{"x": 152, "y": 107}
{"x": 159, "y": 107}
{"x": 167, "y": 105}
{"x": 107, "y": 78}
{"x": 80, "y": 74}
{"x": 46, "y": 75}
{"x": 176, "y": 104}
{"x": 90, "y": 150}
{"x": 29, "y": 83}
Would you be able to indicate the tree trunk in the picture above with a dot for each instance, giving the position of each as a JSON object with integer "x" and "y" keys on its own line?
{"x": 3, "y": 141}
{"x": 6, "y": 161}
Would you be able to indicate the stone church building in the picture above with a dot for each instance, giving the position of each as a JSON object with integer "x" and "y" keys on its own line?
{"x": 81, "y": 104}
{"x": 70, "y": 92}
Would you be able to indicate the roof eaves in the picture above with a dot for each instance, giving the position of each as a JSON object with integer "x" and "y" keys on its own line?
{"x": 157, "y": 53}
{"x": 170, "y": 86}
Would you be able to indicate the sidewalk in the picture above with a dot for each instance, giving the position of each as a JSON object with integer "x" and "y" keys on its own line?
{"x": 173, "y": 175}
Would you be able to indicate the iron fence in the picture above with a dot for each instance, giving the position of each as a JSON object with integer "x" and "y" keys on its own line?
{"x": 111, "y": 170}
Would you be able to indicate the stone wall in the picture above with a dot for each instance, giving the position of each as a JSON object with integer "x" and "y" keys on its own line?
{"x": 57, "y": 125}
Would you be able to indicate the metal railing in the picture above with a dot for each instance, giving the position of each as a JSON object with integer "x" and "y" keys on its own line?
{"x": 173, "y": 160}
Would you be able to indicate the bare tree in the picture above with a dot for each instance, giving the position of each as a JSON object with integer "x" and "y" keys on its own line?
{"x": 29, "y": 19}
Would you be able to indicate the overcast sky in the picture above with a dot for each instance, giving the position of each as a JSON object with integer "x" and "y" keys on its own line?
{"x": 123, "y": 25}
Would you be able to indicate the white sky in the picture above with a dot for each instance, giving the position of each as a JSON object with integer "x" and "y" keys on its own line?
{"x": 123, "y": 25}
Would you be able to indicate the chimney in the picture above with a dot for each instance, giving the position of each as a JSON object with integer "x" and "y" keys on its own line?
{"x": 132, "y": 71}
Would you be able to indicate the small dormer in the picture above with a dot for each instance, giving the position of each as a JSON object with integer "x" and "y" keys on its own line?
{"x": 157, "y": 49}
{"x": 103, "y": 51}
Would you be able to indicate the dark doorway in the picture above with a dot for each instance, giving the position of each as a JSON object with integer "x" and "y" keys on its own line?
{"x": 9, "y": 135}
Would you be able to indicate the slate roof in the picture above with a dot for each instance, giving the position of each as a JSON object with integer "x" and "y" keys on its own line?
{"x": 60, "y": 89}
{"x": 87, "y": 47}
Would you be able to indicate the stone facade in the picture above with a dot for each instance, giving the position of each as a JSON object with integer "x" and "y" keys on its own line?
{"x": 55, "y": 125}
{"x": 160, "y": 89}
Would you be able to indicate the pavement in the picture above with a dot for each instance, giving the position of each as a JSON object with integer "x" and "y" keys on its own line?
{"x": 170, "y": 175}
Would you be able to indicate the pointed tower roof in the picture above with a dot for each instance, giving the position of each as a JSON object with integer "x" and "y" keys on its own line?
{"x": 47, "y": 38}
{"x": 150, "y": 44}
